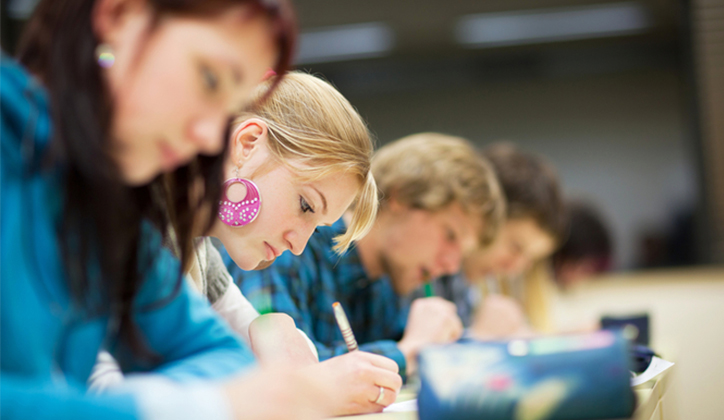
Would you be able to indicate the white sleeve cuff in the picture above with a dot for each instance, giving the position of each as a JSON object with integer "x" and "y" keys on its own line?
{"x": 236, "y": 310}
{"x": 105, "y": 374}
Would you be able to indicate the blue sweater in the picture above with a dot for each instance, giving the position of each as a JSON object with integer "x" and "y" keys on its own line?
{"x": 47, "y": 347}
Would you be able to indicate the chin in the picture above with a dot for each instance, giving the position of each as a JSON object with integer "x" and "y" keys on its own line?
{"x": 249, "y": 265}
{"x": 136, "y": 169}
{"x": 137, "y": 177}
{"x": 263, "y": 264}
{"x": 243, "y": 263}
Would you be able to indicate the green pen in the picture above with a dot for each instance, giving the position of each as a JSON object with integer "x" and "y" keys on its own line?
{"x": 428, "y": 290}
{"x": 265, "y": 306}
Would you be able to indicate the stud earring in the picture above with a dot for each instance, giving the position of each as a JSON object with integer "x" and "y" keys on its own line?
{"x": 105, "y": 55}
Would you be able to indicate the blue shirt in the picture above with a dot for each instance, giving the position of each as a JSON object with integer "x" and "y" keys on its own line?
{"x": 47, "y": 344}
{"x": 305, "y": 287}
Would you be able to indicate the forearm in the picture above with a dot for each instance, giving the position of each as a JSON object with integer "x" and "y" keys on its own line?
{"x": 193, "y": 341}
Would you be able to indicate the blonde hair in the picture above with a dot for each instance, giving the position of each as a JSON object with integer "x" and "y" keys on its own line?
{"x": 431, "y": 171}
{"x": 315, "y": 131}
{"x": 538, "y": 291}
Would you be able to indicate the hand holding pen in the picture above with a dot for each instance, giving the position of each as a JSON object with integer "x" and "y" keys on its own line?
{"x": 349, "y": 339}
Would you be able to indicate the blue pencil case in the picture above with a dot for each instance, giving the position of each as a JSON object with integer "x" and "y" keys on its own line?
{"x": 554, "y": 378}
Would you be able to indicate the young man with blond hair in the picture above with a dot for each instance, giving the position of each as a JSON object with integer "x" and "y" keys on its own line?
{"x": 514, "y": 297}
{"x": 439, "y": 199}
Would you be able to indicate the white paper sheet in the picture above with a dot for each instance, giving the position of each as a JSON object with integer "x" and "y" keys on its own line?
{"x": 655, "y": 368}
{"x": 410, "y": 405}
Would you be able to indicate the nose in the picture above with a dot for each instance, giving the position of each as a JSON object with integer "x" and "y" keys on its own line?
{"x": 207, "y": 133}
{"x": 298, "y": 237}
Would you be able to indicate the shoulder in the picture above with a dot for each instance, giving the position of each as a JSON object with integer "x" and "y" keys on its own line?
{"x": 322, "y": 241}
{"x": 25, "y": 114}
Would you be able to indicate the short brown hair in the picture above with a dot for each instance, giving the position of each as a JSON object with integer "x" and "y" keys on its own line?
{"x": 431, "y": 171}
{"x": 530, "y": 185}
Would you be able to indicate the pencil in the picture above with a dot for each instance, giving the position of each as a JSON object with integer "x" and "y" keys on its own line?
{"x": 344, "y": 326}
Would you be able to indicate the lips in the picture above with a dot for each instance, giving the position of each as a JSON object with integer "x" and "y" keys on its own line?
{"x": 271, "y": 252}
{"x": 170, "y": 158}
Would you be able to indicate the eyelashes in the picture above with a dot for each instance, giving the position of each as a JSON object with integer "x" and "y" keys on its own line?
{"x": 210, "y": 79}
{"x": 304, "y": 205}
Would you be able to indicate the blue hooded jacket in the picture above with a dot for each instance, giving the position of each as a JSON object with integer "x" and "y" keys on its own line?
{"x": 47, "y": 346}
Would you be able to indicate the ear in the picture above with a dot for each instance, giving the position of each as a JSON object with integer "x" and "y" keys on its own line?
{"x": 246, "y": 140}
{"x": 394, "y": 209}
{"x": 110, "y": 18}
{"x": 394, "y": 206}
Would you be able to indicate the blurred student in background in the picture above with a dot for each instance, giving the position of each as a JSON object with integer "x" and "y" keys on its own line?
{"x": 439, "y": 200}
{"x": 587, "y": 250}
{"x": 492, "y": 295}
{"x": 534, "y": 228}
{"x": 297, "y": 160}
{"x": 535, "y": 219}
{"x": 110, "y": 94}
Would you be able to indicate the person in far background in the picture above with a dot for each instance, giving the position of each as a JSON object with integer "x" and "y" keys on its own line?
{"x": 492, "y": 294}
{"x": 587, "y": 250}
{"x": 439, "y": 200}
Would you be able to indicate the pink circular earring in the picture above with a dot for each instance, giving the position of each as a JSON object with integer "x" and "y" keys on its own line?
{"x": 240, "y": 213}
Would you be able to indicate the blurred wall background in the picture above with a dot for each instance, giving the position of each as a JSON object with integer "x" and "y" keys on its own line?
{"x": 607, "y": 91}
{"x": 617, "y": 139}
{"x": 619, "y": 95}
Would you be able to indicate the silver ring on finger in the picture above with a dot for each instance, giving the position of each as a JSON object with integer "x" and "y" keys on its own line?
{"x": 381, "y": 396}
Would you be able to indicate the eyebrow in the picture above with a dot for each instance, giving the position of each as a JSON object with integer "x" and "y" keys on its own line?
{"x": 236, "y": 72}
{"x": 236, "y": 76}
{"x": 324, "y": 199}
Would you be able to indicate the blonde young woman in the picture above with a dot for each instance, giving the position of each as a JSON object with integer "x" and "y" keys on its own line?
{"x": 296, "y": 161}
